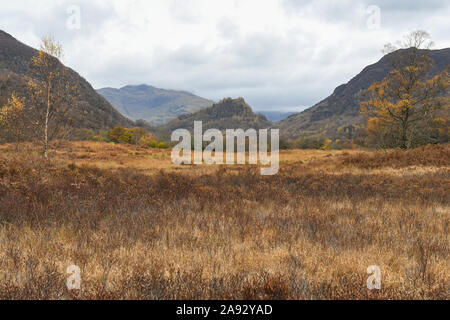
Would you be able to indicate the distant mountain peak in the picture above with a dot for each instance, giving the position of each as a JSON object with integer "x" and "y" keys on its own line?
{"x": 138, "y": 87}
{"x": 154, "y": 105}
{"x": 234, "y": 106}
{"x": 228, "y": 113}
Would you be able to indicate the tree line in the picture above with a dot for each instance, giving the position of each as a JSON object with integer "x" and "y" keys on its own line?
{"x": 135, "y": 136}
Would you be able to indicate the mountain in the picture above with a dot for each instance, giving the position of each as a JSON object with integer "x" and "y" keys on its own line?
{"x": 342, "y": 107}
{"x": 156, "y": 106}
{"x": 226, "y": 114}
{"x": 92, "y": 111}
{"x": 276, "y": 116}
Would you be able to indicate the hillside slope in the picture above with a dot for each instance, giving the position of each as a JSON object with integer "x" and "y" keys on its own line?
{"x": 226, "y": 114}
{"x": 92, "y": 110}
{"x": 342, "y": 107}
{"x": 156, "y": 106}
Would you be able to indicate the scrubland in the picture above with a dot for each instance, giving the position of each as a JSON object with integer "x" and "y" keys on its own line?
{"x": 140, "y": 227}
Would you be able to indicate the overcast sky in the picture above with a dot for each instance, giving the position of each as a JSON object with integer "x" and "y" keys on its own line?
{"x": 277, "y": 54}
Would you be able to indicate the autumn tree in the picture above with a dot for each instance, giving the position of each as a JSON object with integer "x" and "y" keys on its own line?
{"x": 52, "y": 94}
{"x": 120, "y": 135}
{"x": 136, "y": 136}
{"x": 13, "y": 119}
{"x": 407, "y": 98}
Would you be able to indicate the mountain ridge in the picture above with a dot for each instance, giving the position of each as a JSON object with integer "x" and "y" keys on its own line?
{"x": 92, "y": 111}
{"x": 228, "y": 113}
{"x": 155, "y": 105}
{"x": 342, "y": 108}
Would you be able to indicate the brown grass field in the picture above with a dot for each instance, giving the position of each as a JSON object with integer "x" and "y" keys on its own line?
{"x": 140, "y": 227}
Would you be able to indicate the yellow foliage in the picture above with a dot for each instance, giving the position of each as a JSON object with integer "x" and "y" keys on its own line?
{"x": 146, "y": 140}
{"x": 13, "y": 119}
{"x": 13, "y": 110}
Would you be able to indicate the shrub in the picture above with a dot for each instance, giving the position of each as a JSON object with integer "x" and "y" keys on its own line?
{"x": 136, "y": 136}
{"x": 148, "y": 140}
{"x": 120, "y": 135}
{"x": 162, "y": 145}
{"x": 309, "y": 143}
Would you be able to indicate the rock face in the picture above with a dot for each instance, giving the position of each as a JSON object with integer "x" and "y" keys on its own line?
{"x": 342, "y": 107}
{"x": 156, "y": 106}
{"x": 92, "y": 110}
{"x": 226, "y": 114}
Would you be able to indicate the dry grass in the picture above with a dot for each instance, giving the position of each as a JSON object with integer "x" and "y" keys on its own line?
{"x": 435, "y": 156}
{"x": 140, "y": 227}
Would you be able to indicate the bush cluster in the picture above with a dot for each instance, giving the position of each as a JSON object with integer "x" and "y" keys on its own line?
{"x": 135, "y": 136}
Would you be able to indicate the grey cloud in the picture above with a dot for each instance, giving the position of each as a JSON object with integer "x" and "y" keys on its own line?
{"x": 408, "y": 5}
{"x": 228, "y": 29}
{"x": 399, "y": 13}
{"x": 341, "y": 8}
{"x": 184, "y": 11}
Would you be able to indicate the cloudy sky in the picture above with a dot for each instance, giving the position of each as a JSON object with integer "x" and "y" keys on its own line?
{"x": 277, "y": 54}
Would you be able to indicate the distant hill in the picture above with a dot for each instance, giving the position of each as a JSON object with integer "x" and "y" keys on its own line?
{"x": 92, "y": 111}
{"x": 276, "y": 116}
{"x": 156, "y": 106}
{"x": 226, "y": 114}
{"x": 342, "y": 107}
